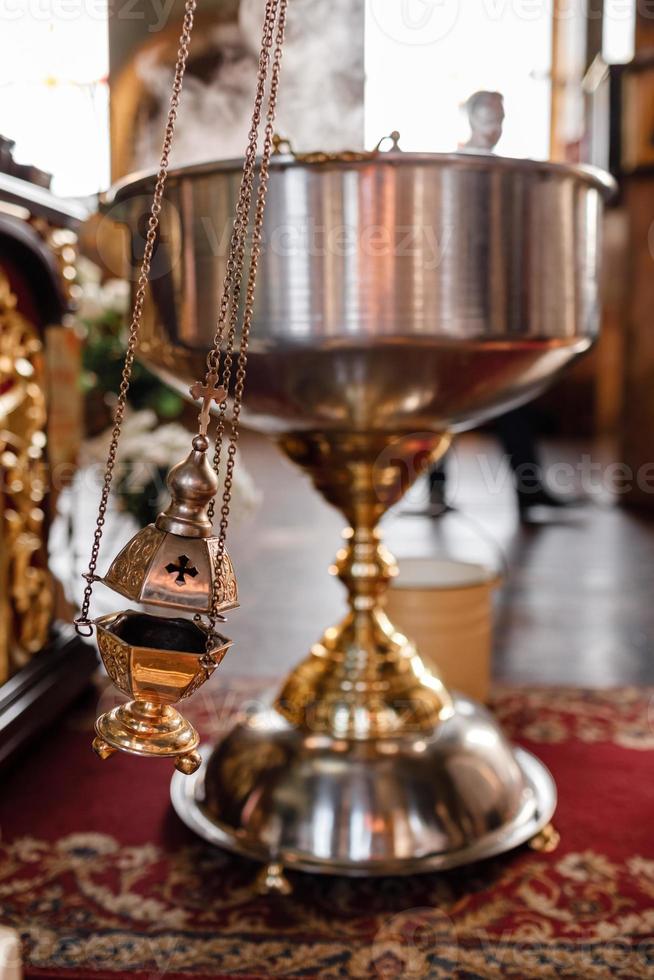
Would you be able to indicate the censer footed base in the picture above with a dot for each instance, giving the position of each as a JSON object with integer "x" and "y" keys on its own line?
{"x": 158, "y": 661}
{"x": 149, "y": 729}
{"x": 419, "y": 802}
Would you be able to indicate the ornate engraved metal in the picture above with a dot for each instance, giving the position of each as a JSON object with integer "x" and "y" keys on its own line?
{"x": 129, "y": 567}
{"x": 197, "y": 682}
{"x": 229, "y": 588}
{"x": 159, "y": 660}
{"x": 171, "y": 658}
{"x": 173, "y": 563}
{"x": 163, "y": 569}
{"x": 115, "y": 657}
{"x": 156, "y": 678}
{"x": 26, "y": 588}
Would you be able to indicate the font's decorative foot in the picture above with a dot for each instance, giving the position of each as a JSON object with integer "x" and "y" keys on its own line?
{"x": 271, "y": 880}
{"x": 547, "y": 840}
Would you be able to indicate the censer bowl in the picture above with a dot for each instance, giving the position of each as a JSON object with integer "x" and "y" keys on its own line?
{"x": 401, "y": 297}
{"x": 156, "y": 667}
{"x": 143, "y": 631}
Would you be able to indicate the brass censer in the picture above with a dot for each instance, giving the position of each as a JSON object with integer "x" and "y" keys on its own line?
{"x": 179, "y": 563}
{"x": 175, "y": 563}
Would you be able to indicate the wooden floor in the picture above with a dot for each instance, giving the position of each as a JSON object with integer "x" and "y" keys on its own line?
{"x": 577, "y": 606}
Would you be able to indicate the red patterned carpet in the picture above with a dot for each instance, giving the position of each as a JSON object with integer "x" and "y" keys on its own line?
{"x": 102, "y": 880}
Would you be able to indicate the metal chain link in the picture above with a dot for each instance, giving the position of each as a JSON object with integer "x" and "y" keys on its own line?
{"x": 235, "y": 258}
{"x": 82, "y": 623}
{"x": 231, "y": 293}
{"x": 275, "y": 14}
{"x": 255, "y": 252}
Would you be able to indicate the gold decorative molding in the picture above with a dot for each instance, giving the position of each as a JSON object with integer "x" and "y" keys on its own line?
{"x": 126, "y": 573}
{"x": 27, "y": 598}
{"x": 115, "y": 657}
{"x": 227, "y": 575}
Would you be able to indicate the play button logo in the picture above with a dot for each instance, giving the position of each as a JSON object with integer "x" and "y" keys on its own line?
{"x": 415, "y": 22}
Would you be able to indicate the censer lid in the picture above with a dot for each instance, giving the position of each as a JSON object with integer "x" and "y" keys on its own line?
{"x": 192, "y": 485}
{"x": 173, "y": 562}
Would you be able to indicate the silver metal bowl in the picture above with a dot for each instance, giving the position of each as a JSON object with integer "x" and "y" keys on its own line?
{"x": 403, "y": 291}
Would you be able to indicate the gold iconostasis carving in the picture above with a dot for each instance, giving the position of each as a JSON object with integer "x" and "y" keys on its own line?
{"x": 26, "y": 587}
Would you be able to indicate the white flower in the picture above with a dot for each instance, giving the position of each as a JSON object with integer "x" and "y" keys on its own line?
{"x": 115, "y": 295}
{"x": 146, "y": 447}
{"x": 97, "y": 298}
{"x": 89, "y": 305}
{"x": 88, "y": 273}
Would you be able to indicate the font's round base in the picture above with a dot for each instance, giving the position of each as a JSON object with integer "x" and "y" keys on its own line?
{"x": 392, "y": 806}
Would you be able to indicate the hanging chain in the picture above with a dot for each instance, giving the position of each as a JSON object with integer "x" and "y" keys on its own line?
{"x": 227, "y": 322}
{"x": 82, "y": 623}
{"x": 236, "y": 254}
{"x": 236, "y": 258}
{"x": 233, "y": 284}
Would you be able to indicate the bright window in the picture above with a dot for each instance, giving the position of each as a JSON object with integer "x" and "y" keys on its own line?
{"x": 54, "y": 97}
{"x": 424, "y": 58}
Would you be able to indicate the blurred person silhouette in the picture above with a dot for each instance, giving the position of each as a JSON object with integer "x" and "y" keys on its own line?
{"x": 485, "y": 112}
{"x": 516, "y": 434}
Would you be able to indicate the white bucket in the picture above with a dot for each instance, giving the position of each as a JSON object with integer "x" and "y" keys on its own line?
{"x": 446, "y": 608}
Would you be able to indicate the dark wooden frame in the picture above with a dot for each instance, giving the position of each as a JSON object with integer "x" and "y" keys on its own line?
{"x": 40, "y": 691}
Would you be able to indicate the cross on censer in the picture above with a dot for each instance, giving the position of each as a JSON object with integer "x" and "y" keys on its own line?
{"x": 182, "y": 568}
{"x": 209, "y": 393}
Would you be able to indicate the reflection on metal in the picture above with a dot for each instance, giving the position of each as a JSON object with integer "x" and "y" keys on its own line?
{"x": 389, "y": 806}
{"x": 181, "y": 540}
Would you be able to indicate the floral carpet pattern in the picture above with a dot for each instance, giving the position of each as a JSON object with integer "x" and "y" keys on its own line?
{"x": 102, "y": 880}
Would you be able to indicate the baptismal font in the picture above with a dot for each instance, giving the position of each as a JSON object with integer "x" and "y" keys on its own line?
{"x": 466, "y": 282}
